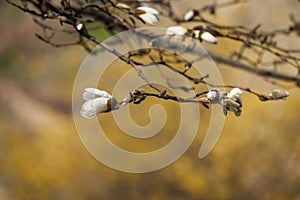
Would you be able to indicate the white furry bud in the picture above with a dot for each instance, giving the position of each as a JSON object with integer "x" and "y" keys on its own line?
{"x": 79, "y": 26}
{"x": 123, "y": 6}
{"x": 278, "y": 94}
{"x": 189, "y": 15}
{"x": 235, "y": 92}
{"x": 176, "y": 31}
{"x": 208, "y": 37}
{"x": 97, "y": 101}
{"x": 147, "y": 14}
{"x": 213, "y": 96}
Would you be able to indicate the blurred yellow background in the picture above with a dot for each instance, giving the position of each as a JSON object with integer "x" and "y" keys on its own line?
{"x": 42, "y": 157}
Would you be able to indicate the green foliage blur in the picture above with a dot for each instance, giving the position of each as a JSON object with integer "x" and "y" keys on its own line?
{"x": 42, "y": 157}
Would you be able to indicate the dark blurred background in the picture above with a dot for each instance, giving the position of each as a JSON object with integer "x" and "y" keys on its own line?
{"x": 42, "y": 157}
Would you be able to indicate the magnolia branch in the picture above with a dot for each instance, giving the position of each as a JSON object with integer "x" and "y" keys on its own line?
{"x": 79, "y": 17}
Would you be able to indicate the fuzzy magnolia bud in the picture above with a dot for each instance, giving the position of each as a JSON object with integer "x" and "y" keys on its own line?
{"x": 213, "y": 96}
{"x": 79, "y": 26}
{"x": 230, "y": 102}
{"x": 278, "y": 94}
{"x": 234, "y": 95}
{"x": 233, "y": 102}
{"x": 208, "y": 37}
{"x": 178, "y": 31}
{"x": 147, "y": 14}
{"x": 123, "y": 6}
{"x": 235, "y": 92}
{"x": 189, "y": 15}
{"x": 97, "y": 101}
{"x": 231, "y": 105}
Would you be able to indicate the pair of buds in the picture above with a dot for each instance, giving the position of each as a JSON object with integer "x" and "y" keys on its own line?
{"x": 199, "y": 32}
